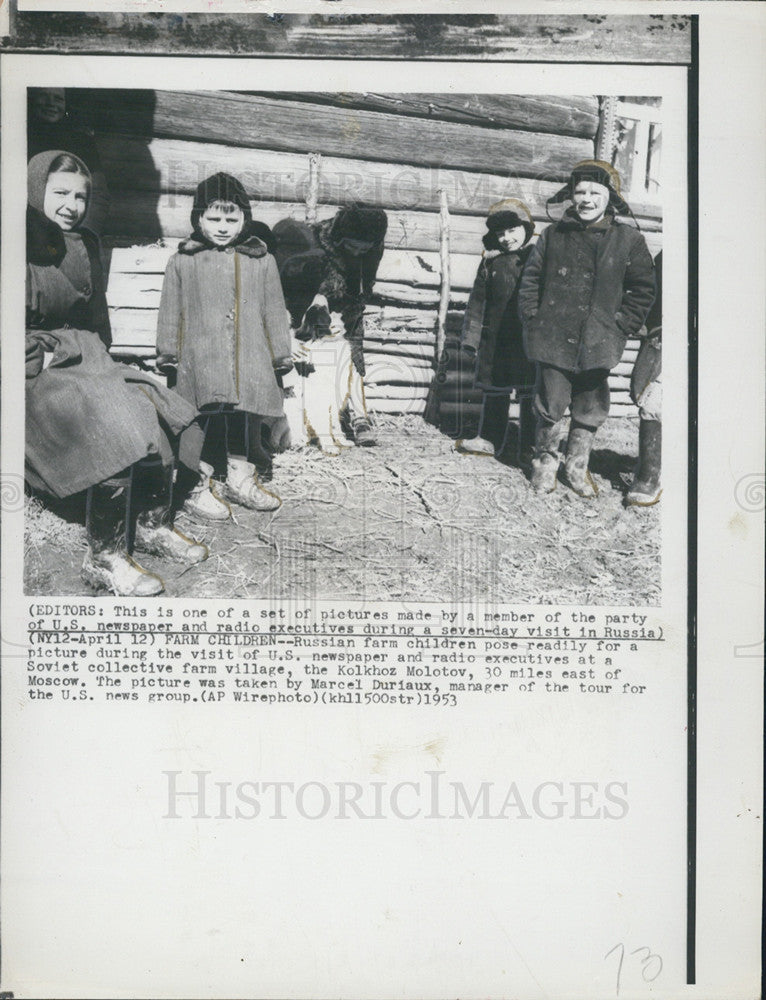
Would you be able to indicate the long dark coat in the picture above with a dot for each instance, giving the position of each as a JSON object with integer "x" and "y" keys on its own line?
{"x": 87, "y": 417}
{"x": 223, "y": 316}
{"x": 584, "y": 291}
{"x": 492, "y": 326}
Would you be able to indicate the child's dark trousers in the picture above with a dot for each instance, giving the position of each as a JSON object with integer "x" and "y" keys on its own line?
{"x": 585, "y": 393}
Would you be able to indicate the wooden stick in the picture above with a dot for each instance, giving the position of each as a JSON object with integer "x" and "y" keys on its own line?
{"x": 312, "y": 194}
{"x": 444, "y": 286}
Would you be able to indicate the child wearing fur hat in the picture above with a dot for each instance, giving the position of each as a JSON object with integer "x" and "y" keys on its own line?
{"x": 492, "y": 329}
{"x": 223, "y": 328}
{"x": 586, "y": 288}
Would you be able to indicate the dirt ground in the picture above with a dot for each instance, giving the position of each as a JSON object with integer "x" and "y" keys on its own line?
{"x": 408, "y": 520}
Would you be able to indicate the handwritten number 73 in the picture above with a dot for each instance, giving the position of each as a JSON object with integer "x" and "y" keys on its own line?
{"x": 651, "y": 964}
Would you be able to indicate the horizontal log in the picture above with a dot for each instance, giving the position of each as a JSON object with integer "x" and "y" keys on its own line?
{"x": 296, "y": 126}
{"x": 142, "y": 291}
{"x": 397, "y": 407}
{"x": 576, "y": 116}
{"x": 416, "y": 268}
{"x": 373, "y": 392}
{"x": 162, "y": 165}
{"x": 488, "y": 36}
{"x": 375, "y": 356}
{"x": 144, "y": 218}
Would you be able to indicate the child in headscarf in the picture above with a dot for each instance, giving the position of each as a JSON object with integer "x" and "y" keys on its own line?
{"x": 93, "y": 424}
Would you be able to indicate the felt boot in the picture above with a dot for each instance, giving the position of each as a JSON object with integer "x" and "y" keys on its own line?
{"x": 198, "y": 498}
{"x": 545, "y": 464}
{"x": 526, "y": 440}
{"x": 155, "y": 531}
{"x": 108, "y": 563}
{"x": 576, "y": 474}
{"x": 363, "y": 432}
{"x": 645, "y": 490}
{"x": 242, "y": 486}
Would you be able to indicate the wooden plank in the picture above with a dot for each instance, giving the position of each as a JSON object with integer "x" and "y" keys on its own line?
{"x": 576, "y": 116}
{"x": 162, "y": 165}
{"x": 295, "y": 126}
{"x": 521, "y": 37}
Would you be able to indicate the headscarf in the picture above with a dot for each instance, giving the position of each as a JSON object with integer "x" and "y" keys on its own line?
{"x": 45, "y": 239}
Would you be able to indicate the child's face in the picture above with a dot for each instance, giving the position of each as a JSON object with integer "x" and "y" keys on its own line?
{"x": 590, "y": 200}
{"x": 66, "y": 199}
{"x": 49, "y": 104}
{"x": 511, "y": 239}
{"x": 222, "y": 224}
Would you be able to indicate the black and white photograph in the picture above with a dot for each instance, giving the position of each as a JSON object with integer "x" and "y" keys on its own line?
{"x": 381, "y": 611}
{"x": 365, "y": 345}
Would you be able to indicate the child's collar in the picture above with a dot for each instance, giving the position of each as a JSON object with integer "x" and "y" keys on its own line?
{"x": 251, "y": 247}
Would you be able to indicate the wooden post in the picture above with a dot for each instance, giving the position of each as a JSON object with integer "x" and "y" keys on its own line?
{"x": 606, "y": 128}
{"x": 444, "y": 260}
{"x": 312, "y": 195}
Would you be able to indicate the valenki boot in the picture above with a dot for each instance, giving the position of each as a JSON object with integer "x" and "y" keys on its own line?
{"x": 545, "y": 464}
{"x": 155, "y": 530}
{"x": 108, "y": 563}
{"x": 526, "y": 441}
{"x": 645, "y": 490}
{"x": 197, "y": 495}
{"x": 576, "y": 474}
{"x": 242, "y": 486}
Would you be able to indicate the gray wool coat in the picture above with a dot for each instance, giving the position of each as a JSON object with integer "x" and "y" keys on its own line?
{"x": 584, "y": 291}
{"x": 223, "y": 317}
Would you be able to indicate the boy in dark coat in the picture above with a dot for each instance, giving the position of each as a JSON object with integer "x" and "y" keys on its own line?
{"x": 491, "y": 327}
{"x": 646, "y": 393}
{"x": 587, "y": 287}
{"x": 223, "y": 325}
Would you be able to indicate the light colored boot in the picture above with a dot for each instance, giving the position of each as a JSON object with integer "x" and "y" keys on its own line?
{"x": 576, "y": 473}
{"x": 107, "y": 563}
{"x": 242, "y": 486}
{"x": 155, "y": 531}
{"x": 545, "y": 464}
{"x": 203, "y": 501}
{"x": 475, "y": 446}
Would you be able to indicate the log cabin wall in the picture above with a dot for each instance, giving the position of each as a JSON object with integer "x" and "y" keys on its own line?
{"x": 398, "y": 152}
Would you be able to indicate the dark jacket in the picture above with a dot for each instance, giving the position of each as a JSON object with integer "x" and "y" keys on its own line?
{"x": 321, "y": 259}
{"x": 584, "y": 291}
{"x": 491, "y": 325}
{"x": 222, "y": 316}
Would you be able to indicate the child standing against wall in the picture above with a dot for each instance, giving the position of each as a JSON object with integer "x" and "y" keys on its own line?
{"x": 587, "y": 287}
{"x": 223, "y": 325}
{"x": 492, "y": 329}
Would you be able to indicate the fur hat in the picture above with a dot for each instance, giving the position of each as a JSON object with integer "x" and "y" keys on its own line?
{"x": 508, "y": 214}
{"x": 357, "y": 229}
{"x": 597, "y": 172}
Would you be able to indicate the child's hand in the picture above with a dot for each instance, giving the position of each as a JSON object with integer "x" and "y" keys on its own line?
{"x": 166, "y": 364}
{"x": 282, "y": 365}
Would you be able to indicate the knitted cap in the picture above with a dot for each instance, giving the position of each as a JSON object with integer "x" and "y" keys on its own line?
{"x": 220, "y": 187}
{"x": 508, "y": 214}
{"x": 597, "y": 172}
